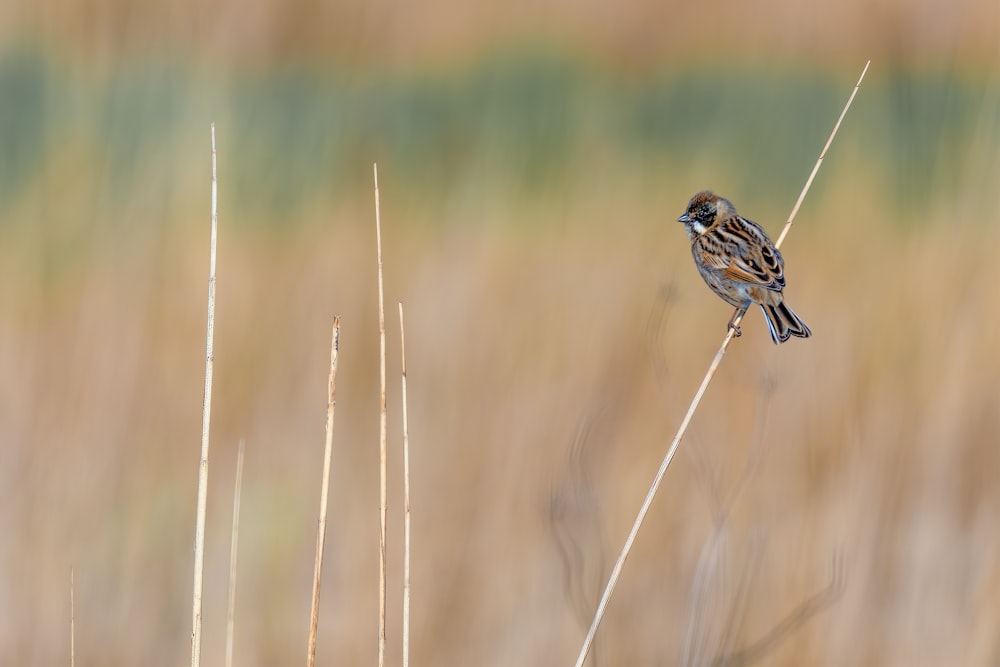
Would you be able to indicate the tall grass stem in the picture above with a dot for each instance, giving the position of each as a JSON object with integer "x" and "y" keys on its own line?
{"x": 382, "y": 432}
{"x": 324, "y": 493}
{"x": 675, "y": 443}
{"x": 206, "y": 414}
{"x": 406, "y": 500}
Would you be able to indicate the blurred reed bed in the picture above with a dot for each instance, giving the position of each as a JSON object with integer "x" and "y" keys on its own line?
{"x": 555, "y": 332}
{"x": 255, "y": 33}
{"x": 527, "y": 123}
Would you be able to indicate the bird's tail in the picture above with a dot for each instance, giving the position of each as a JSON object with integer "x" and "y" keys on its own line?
{"x": 783, "y": 322}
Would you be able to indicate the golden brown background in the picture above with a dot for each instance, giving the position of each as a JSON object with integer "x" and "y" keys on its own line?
{"x": 835, "y": 502}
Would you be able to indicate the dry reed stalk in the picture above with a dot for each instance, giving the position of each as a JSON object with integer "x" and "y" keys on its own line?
{"x": 324, "y": 492}
{"x": 382, "y": 434}
{"x": 406, "y": 501}
{"x": 640, "y": 517}
{"x": 233, "y": 552}
{"x": 199, "y": 537}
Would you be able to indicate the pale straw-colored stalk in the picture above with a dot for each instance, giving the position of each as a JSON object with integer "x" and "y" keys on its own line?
{"x": 406, "y": 501}
{"x": 382, "y": 434}
{"x": 199, "y": 536}
{"x": 324, "y": 493}
{"x": 730, "y": 334}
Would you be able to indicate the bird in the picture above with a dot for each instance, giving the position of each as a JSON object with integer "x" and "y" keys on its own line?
{"x": 739, "y": 262}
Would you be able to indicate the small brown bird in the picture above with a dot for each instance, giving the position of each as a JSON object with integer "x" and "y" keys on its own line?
{"x": 739, "y": 262}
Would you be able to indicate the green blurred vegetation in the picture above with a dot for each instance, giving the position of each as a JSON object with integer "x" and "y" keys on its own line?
{"x": 522, "y": 126}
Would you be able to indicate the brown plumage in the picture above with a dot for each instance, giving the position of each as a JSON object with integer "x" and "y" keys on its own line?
{"x": 739, "y": 262}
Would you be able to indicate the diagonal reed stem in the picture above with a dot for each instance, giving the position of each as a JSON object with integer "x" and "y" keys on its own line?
{"x": 199, "y": 536}
{"x": 324, "y": 493}
{"x": 616, "y": 571}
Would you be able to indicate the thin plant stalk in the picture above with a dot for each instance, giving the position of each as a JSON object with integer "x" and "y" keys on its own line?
{"x": 199, "y": 536}
{"x": 819, "y": 162}
{"x": 675, "y": 443}
{"x": 382, "y": 434}
{"x": 406, "y": 501}
{"x": 324, "y": 493}
{"x": 233, "y": 552}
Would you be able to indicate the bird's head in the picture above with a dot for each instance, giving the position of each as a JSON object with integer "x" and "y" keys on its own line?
{"x": 704, "y": 209}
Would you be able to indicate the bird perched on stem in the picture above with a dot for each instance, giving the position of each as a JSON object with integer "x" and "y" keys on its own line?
{"x": 739, "y": 263}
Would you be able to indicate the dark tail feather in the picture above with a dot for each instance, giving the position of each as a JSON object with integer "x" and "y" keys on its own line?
{"x": 784, "y": 323}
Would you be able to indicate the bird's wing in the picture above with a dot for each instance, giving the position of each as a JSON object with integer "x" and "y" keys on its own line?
{"x": 752, "y": 258}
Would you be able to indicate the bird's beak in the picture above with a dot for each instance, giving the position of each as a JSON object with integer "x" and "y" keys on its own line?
{"x": 684, "y": 218}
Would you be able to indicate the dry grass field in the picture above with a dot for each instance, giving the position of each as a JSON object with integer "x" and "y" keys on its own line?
{"x": 834, "y": 502}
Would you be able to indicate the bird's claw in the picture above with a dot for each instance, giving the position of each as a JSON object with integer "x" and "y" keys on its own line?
{"x": 736, "y": 330}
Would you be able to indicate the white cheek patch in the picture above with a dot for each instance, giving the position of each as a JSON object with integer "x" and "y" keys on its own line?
{"x": 698, "y": 227}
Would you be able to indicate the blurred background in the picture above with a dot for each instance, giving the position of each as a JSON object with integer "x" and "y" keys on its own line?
{"x": 835, "y": 500}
